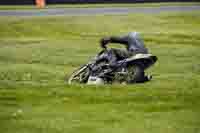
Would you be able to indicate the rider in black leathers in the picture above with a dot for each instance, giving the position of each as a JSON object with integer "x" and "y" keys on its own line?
{"x": 132, "y": 41}
{"x": 134, "y": 45}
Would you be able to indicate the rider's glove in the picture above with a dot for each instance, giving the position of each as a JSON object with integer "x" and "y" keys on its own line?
{"x": 104, "y": 41}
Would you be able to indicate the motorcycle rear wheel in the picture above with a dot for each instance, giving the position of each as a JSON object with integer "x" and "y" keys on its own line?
{"x": 135, "y": 74}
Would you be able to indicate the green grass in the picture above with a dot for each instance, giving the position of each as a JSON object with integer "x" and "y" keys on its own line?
{"x": 8, "y": 7}
{"x": 36, "y": 54}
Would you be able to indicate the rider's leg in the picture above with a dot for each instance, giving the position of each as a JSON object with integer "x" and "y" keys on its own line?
{"x": 116, "y": 55}
{"x": 108, "y": 57}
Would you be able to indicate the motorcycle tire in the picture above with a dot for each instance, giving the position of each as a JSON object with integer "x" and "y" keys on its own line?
{"x": 136, "y": 74}
{"x": 80, "y": 75}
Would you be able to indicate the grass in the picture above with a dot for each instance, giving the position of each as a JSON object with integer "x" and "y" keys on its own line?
{"x": 36, "y": 54}
{"x": 16, "y": 7}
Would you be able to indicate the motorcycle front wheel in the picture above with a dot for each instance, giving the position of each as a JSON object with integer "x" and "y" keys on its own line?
{"x": 80, "y": 75}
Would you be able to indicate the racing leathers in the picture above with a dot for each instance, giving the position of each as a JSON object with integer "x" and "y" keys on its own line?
{"x": 134, "y": 45}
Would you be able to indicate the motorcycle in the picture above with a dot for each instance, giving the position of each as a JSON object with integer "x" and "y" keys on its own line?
{"x": 126, "y": 71}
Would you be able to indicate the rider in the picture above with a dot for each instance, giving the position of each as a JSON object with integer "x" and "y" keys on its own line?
{"x": 134, "y": 45}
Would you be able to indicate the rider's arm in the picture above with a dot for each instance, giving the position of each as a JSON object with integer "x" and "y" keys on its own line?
{"x": 114, "y": 39}
{"x": 121, "y": 40}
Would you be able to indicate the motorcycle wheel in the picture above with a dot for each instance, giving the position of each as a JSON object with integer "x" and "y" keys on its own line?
{"x": 135, "y": 74}
{"x": 80, "y": 75}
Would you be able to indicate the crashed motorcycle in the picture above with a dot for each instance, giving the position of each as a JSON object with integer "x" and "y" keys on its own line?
{"x": 126, "y": 71}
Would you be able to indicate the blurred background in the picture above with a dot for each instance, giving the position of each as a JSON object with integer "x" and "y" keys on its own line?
{"x": 27, "y": 2}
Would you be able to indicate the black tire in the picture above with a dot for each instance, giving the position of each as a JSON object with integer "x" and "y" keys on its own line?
{"x": 136, "y": 74}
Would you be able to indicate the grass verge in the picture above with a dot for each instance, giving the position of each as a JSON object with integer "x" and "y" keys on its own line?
{"x": 37, "y": 53}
